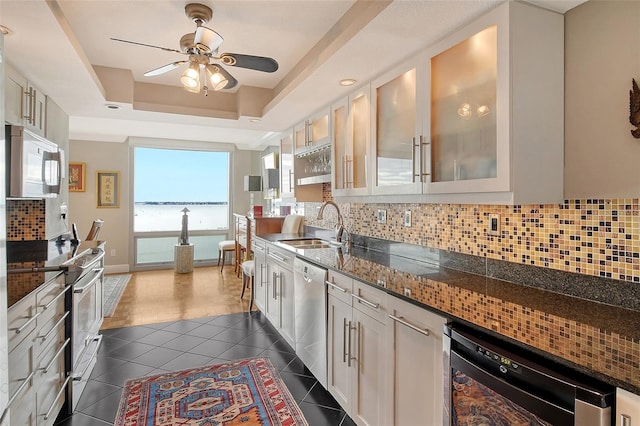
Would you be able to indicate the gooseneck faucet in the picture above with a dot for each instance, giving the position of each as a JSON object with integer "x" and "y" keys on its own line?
{"x": 339, "y": 228}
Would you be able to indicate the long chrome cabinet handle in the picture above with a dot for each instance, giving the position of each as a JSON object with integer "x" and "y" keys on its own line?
{"x": 55, "y": 357}
{"x": 365, "y": 301}
{"x": 15, "y": 396}
{"x": 275, "y": 279}
{"x": 402, "y": 321}
{"x": 423, "y": 164}
{"x": 329, "y": 283}
{"x": 290, "y": 180}
{"x": 277, "y": 257}
{"x": 55, "y": 327}
{"x": 79, "y": 377}
{"x": 95, "y": 279}
{"x": 55, "y": 299}
{"x": 349, "y": 346}
{"x": 414, "y": 145}
{"x": 58, "y": 395}
{"x": 26, "y": 324}
{"x": 344, "y": 339}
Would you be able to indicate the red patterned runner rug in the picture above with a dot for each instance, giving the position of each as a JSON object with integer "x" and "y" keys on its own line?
{"x": 245, "y": 392}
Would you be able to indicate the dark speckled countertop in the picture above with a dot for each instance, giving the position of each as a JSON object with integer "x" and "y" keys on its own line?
{"x": 595, "y": 338}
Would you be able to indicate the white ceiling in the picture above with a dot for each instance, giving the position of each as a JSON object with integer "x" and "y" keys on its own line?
{"x": 56, "y": 43}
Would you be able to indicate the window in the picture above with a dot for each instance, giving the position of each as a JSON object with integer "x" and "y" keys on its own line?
{"x": 165, "y": 182}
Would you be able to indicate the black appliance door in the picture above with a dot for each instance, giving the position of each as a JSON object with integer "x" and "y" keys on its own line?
{"x": 481, "y": 398}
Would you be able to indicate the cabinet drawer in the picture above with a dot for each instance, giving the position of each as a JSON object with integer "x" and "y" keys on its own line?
{"x": 369, "y": 300}
{"x": 339, "y": 286}
{"x": 50, "y": 303}
{"x": 49, "y": 339}
{"x": 20, "y": 368}
{"x": 49, "y": 395}
{"x": 21, "y": 320}
{"x": 281, "y": 257}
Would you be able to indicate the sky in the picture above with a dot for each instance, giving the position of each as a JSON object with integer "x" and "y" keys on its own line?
{"x": 180, "y": 175}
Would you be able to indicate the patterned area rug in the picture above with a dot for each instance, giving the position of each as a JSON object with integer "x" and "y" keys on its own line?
{"x": 112, "y": 290}
{"x": 245, "y": 392}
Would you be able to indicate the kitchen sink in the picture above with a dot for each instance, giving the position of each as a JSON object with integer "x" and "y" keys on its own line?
{"x": 308, "y": 243}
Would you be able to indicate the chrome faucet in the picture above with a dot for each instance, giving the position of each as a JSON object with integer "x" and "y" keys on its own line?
{"x": 339, "y": 228}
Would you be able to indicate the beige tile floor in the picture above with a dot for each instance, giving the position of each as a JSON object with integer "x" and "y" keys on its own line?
{"x": 162, "y": 296}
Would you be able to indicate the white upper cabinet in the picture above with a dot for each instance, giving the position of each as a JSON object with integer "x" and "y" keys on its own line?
{"x": 496, "y": 112}
{"x": 287, "y": 182}
{"x": 24, "y": 103}
{"x": 351, "y": 143}
{"x": 313, "y": 132}
{"x": 396, "y": 131}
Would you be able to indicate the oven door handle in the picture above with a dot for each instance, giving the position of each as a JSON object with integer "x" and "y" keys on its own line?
{"x": 91, "y": 283}
{"x": 78, "y": 377}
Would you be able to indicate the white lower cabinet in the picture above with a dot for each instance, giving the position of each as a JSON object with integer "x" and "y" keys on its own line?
{"x": 627, "y": 408}
{"x": 279, "y": 307}
{"x": 414, "y": 364}
{"x": 356, "y": 349}
{"x": 260, "y": 274}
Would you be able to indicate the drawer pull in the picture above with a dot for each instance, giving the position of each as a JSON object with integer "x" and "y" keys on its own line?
{"x": 365, "y": 301}
{"x": 277, "y": 257}
{"x": 58, "y": 395}
{"x": 55, "y": 357}
{"x": 55, "y": 327}
{"x": 402, "y": 321}
{"x": 20, "y": 390}
{"x": 335, "y": 287}
{"x": 26, "y": 324}
{"x": 98, "y": 273}
{"x": 98, "y": 339}
{"x": 55, "y": 299}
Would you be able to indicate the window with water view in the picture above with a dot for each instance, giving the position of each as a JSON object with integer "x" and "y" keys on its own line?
{"x": 165, "y": 182}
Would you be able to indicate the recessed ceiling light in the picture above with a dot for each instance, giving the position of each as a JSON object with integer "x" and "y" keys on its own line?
{"x": 348, "y": 82}
{"x": 255, "y": 120}
{"x": 112, "y": 106}
{"x": 5, "y": 30}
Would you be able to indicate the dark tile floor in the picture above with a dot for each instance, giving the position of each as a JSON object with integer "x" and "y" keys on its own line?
{"x": 152, "y": 349}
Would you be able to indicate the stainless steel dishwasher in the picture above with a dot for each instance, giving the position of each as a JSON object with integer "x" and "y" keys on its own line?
{"x": 311, "y": 317}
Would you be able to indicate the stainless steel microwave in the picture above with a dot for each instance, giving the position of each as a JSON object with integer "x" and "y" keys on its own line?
{"x": 35, "y": 165}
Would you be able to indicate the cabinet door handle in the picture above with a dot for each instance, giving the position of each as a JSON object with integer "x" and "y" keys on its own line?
{"x": 403, "y": 321}
{"x": 58, "y": 395}
{"x": 365, "y": 301}
{"x": 329, "y": 283}
{"x": 34, "y": 104}
{"x": 262, "y": 268}
{"x": 55, "y": 326}
{"x": 55, "y": 357}
{"x": 28, "y": 108}
{"x": 26, "y": 324}
{"x": 349, "y": 346}
{"x": 55, "y": 299}
{"x": 344, "y": 339}
{"x": 414, "y": 175}
{"x": 423, "y": 164}
{"x": 275, "y": 279}
{"x": 290, "y": 180}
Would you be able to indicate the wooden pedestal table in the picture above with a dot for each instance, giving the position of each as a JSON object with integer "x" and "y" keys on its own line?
{"x": 183, "y": 256}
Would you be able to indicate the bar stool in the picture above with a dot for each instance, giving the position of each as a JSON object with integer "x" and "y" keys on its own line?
{"x": 223, "y": 248}
{"x": 248, "y": 274}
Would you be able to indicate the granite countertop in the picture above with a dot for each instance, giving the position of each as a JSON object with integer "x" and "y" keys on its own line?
{"x": 595, "y": 338}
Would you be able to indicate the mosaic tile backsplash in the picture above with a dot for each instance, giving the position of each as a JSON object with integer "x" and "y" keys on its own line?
{"x": 593, "y": 237}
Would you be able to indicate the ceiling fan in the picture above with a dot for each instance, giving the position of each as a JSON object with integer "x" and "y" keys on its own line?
{"x": 202, "y": 47}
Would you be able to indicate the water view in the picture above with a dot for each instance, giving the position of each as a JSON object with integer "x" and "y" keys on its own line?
{"x": 167, "y": 216}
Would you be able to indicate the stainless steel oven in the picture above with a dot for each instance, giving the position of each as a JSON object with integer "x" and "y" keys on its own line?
{"x": 86, "y": 273}
{"x": 489, "y": 381}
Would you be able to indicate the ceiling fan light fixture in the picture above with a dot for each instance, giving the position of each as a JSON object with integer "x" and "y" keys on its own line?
{"x": 191, "y": 78}
{"x": 216, "y": 78}
{"x": 207, "y": 40}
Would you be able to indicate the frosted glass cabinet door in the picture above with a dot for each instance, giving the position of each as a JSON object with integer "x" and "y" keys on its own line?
{"x": 463, "y": 109}
{"x": 395, "y": 134}
{"x": 359, "y": 123}
{"x": 340, "y": 113}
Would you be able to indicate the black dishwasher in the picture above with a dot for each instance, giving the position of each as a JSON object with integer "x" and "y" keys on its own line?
{"x": 490, "y": 381}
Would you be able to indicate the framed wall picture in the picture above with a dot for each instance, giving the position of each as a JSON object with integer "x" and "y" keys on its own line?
{"x": 108, "y": 188}
{"x": 77, "y": 177}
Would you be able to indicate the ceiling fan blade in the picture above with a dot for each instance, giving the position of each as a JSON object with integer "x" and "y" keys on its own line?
{"x": 165, "y": 68}
{"x": 231, "y": 79}
{"x": 258, "y": 63}
{"x": 148, "y": 45}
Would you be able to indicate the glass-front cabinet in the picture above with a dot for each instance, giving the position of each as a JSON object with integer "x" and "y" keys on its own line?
{"x": 397, "y": 131}
{"x": 287, "y": 178}
{"x": 313, "y": 132}
{"x": 496, "y": 112}
{"x": 351, "y": 141}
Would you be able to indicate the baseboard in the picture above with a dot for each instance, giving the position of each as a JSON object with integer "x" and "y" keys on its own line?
{"x": 116, "y": 269}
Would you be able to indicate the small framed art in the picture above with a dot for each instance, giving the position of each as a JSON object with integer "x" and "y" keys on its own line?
{"x": 108, "y": 188}
{"x": 77, "y": 177}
